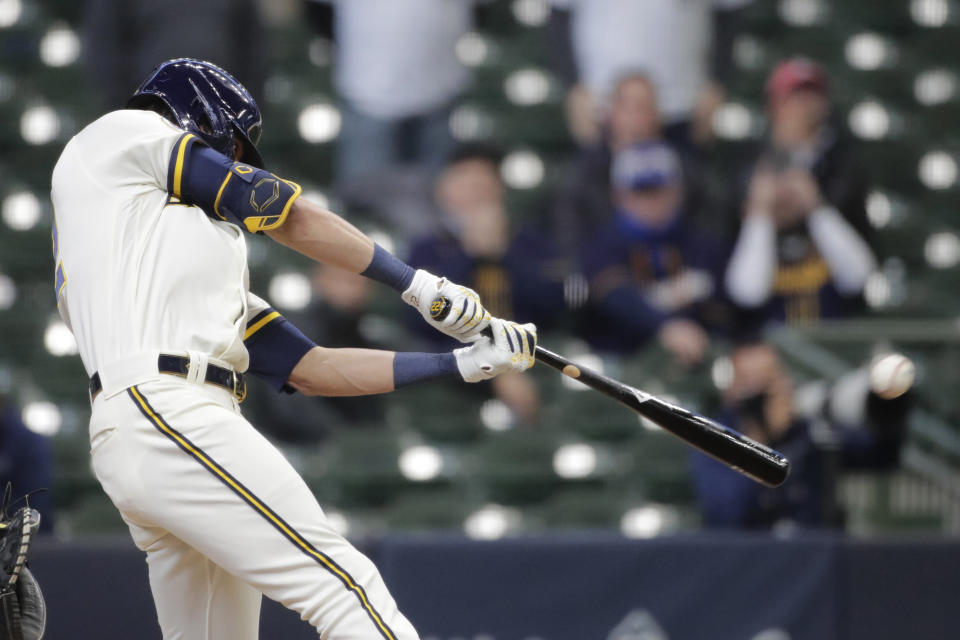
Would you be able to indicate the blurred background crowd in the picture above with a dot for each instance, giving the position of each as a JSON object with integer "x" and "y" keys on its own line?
{"x": 740, "y": 205}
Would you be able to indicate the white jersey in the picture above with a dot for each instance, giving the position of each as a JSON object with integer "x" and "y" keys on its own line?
{"x": 136, "y": 271}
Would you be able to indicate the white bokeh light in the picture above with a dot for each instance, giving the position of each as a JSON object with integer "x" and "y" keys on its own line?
{"x": 938, "y": 170}
{"x": 942, "y": 250}
{"x": 531, "y": 13}
{"x": 490, "y": 522}
{"x": 935, "y": 86}
{"x": 647, "y": 521}
{"x": 318, "y": 123}
{"x": 869, "y": 120}
{"x": 801, "y": 13}
{"x": 721, "y": 373}
{"x": 420, "y": 463}
{"x": 8, "y": 292}
{"x": 866, "y": 51}
{"x": 42, "y": 417}
{"x": 290, "y": 290}
{"x": 930, "y": 13}
{"x": 21, "y": 210}
{"x": 10, "y": 11}
{"x": 879, "y": 209}
{"x": 59, "y": 340}
{"x": 60, "y": 46}
{"x": 573, "y": 461}
{"x": 878, "y": 292}
{"x": 472, "y": 49}
{"x": 732, "y": 121}
{"x": 39, "y": 124}
{"x": 495, "y": 415}
{"x": 468, "y": 122}
{"x": 522, "y": 169}
{"x": 527, "y": 86}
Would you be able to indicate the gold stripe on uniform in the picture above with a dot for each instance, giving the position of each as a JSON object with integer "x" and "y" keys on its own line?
{"x": 260, "y": 324}
{"x": 216, "y": 203}
{"x": 288, "y": 532}
{"x": 178, "y": 170}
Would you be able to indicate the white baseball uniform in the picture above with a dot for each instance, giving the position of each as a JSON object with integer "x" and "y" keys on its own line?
{"x": 221, "y": 515}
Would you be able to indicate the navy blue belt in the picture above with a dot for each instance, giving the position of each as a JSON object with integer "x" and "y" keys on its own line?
{"x": 229, "y": 379}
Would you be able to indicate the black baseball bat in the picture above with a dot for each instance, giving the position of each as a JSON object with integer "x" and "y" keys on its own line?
{"x": 732, "y": 448}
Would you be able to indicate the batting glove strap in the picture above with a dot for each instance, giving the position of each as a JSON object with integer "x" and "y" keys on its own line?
{"x": 510, "y": 349}
{"x": 467, "y": 316}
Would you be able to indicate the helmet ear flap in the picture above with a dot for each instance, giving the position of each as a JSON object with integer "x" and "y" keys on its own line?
{"x": 220, "y": 135}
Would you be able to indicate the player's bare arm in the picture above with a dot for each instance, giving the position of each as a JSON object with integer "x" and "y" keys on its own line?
{"x": 355, "y": 372}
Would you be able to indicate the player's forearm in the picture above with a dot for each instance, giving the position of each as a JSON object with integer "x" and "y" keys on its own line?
{"x": 359, "y": 372}
{"x": 324, "y": 236}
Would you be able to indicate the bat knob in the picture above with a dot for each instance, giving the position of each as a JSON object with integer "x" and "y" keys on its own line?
{"x": 440, "y": 308}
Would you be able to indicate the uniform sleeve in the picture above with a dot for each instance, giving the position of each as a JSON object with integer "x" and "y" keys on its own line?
{"x": 247, "y": 196}
{"x": 275, "y": 345}
{"x": 132, "y": 148}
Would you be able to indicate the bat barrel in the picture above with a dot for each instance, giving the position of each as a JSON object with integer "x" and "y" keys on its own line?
{"x": 730, "y": 447}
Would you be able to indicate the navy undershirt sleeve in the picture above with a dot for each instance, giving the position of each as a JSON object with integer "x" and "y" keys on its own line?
{"x": 388, "y": 269}
{"x": 411, "y": 367}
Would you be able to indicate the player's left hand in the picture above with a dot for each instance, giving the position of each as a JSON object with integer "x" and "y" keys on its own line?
{"x": 511, "y": 349}
{"x": 467, "y": 316}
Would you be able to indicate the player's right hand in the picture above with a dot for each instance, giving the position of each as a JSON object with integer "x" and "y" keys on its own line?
{"x": 467, "y": 316}
{"x": 511, "y": 349}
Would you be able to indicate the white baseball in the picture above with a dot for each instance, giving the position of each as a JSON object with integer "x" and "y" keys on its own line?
{"x": 891, "y": 376}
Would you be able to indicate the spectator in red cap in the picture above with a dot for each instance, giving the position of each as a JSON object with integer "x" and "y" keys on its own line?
{"x": 802, "y": 253}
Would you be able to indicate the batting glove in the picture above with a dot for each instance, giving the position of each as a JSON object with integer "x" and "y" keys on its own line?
{"x": 510, "y": 349}
{"x": 467, "y": 317}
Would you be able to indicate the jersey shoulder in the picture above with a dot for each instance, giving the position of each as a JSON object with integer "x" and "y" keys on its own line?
{"x": 127, "y": 146}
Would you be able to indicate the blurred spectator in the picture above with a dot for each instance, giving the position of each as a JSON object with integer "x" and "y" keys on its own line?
{"x": 516, "y": 272}
{"x": 124, "y": 40}
{"x": 652, "y": 273}
{"x": 684, "y": 47}
{"x": 25, "y": 461}
{"x": 634, "y": 117}
{"x": 760, "y": 403}
{"x": 336, "y": 317}
{"x": 398, "y": 76}
{"x": 801, "y": 254}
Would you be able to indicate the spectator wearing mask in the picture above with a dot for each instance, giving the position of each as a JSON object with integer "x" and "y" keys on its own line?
{"x": 514, "y": 270}
{"x": 652, "y": 274}
{"x": 633, "y": 117}
{"x": 761, "y": 403}
{"x": 685, "y": 48}
{"x": 801, "y": 254}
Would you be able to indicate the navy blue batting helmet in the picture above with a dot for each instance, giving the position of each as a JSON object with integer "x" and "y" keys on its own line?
{"x": 207, "y": 101}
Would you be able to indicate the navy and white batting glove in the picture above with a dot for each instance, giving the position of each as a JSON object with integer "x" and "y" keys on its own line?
{"x": 467, "y": 317}
{"x": 510, "y": 349}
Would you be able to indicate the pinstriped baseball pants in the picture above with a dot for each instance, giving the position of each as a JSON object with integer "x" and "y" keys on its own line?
{"x": 223, "y": 518}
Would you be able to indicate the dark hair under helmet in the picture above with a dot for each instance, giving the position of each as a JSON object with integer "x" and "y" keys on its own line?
{"x": 207, "y": 101}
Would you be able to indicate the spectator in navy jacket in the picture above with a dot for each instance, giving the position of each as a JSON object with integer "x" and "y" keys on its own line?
{"x": 760, "y": 402}
{"x": 652, "y": 274}
{"x": 517, "y": 273}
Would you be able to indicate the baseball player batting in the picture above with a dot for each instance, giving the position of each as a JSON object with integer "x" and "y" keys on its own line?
{"x": 152, "y": 203}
